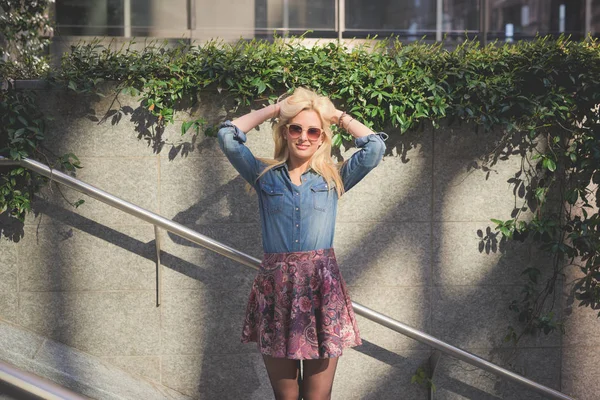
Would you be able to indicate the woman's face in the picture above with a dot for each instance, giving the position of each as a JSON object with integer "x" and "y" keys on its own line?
{"x": 301, "y": 149}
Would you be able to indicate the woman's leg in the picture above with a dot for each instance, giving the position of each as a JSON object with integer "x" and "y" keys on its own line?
{"x": 283, "y": 374}
{"x": 317, "y": 378}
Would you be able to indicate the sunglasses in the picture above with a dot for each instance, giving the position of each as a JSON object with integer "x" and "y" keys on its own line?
{"x": 295, "y": 131}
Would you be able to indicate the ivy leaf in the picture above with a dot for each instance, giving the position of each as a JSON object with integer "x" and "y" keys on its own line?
{"x": 549, "y": 164}
{"x": 337, "y": 140}
{"x": 185, "y": 126}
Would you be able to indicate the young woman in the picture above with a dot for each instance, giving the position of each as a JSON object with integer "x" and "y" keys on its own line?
{"x": 299, "y": 307}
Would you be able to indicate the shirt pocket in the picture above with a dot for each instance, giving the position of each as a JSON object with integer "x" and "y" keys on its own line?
{"x": 272, "y": 197}
{"x": 322, "y": 195}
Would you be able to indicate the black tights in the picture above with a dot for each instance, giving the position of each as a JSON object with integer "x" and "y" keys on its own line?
{"x": 317, "y": 378}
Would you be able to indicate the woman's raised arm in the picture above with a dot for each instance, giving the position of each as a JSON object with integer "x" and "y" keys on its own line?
{"x": 254, "y": 118}
{"x": 371, "y": 151}
{"x": 353, "y": 126}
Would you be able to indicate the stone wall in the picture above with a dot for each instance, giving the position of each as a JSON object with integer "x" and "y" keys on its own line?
{"x": 407, "y": 241}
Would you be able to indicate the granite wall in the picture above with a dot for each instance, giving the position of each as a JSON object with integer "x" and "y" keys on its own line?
{"x": 408, "y": 240}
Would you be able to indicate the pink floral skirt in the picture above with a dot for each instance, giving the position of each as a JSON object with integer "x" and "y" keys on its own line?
{"x": 299, "y": 307}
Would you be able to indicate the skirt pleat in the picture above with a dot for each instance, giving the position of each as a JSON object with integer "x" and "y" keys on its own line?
{"x": 299, "y": 307}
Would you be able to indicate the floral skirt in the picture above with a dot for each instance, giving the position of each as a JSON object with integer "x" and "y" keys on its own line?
{"x": 299, "y": 307}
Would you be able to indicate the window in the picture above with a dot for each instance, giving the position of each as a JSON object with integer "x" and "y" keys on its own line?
{"x": 405, "y": 18}
{"x": 595, "y": 18}
{"x": 516, "y": 19}
{"x": 159, "y": 18}
{"x": 295, "y": 16}
{"x": 89, "y": 17}
{"x": 460, "y": 16}
{"x": 409, "y": 19}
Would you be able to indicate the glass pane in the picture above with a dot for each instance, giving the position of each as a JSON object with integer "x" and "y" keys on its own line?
{"x": 514, "y": 19}
{"x": 89, "y": 17}
{"x": 224, "y": 19}
{"x": 297, "y": 15}
{"x": 460, "y": 16}
{"x": 159, "y": 18}
{"x": 595, "y": 26}
{"x": 403, "y": 17}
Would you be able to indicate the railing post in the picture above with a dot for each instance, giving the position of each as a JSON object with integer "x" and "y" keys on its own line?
{"x": 158, "y": 267}
{"x": 434, "y": 360}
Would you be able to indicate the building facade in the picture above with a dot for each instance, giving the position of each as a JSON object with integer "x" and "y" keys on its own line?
{"x": 200, "y": 20}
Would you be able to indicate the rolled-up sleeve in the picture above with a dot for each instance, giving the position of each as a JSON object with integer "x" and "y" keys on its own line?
{"x": 372, "y": 148}
{"x": 231, "y": 141}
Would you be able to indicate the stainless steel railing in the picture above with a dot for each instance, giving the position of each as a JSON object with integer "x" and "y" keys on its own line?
{"x": 35, "y": 385}
{"x": 229, "y": 252}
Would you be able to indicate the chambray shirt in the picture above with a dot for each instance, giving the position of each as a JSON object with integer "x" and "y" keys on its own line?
{"x": 297, "y": 218}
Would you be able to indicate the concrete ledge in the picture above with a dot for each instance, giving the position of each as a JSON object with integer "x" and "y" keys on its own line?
{"x": 74, "y": 369}
{"x": 31, "y": 84}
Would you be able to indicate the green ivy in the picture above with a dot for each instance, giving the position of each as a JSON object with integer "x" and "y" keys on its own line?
{"x": 23, "y": 25}
{"x": 22, "y": 45}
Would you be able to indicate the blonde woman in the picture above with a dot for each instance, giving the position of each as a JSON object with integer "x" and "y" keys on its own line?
{"x": 299, "y": 307}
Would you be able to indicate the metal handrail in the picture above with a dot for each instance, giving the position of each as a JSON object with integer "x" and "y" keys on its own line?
{"x": 35, "y": 385}
{"x": 253, "y": 262}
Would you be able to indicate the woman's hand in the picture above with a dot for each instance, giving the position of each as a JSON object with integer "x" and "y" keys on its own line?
{"x": 335, "y": 117}
{"x": 276, "y": 109}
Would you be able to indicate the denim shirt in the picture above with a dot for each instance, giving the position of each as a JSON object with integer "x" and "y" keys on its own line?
{"x": 297, "y": 218}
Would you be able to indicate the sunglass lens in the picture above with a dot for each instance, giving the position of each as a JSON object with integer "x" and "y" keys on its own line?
{"x": 295, "y": 130}
{"x": 313, "y": 133}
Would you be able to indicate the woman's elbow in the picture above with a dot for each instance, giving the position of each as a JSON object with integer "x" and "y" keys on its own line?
{"x": 376, "y": 152}
{"x": 225, "y": 139}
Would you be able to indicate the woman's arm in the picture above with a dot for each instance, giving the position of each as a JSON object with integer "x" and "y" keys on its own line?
{"x": 352, "y": 126}
{"x": 371, "y": 151}
{"x": 232, "y": 136}
{"x": 254, "y": 118}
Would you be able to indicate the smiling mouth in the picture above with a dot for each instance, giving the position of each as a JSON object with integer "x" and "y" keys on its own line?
{"x": 302, "y": 146}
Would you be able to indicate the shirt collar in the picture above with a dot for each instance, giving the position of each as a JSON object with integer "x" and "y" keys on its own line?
{"x": 285, "y": 166}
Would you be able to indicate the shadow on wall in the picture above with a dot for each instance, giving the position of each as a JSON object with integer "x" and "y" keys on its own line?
{"x": 44, "y": 273}
{"x": 476, "y": 276}
{"x": 11, "y": 228}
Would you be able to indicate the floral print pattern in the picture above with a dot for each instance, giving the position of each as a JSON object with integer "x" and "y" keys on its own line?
{"x": 299, "y": 307}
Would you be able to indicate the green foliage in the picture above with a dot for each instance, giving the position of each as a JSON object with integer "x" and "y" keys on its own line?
{"x": 23, "y": 25}
{"x": 21, "y": 132}
{"x": 421, "y": 377}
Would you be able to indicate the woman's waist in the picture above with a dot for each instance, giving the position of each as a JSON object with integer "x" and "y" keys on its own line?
{"x": 296, "y": 239}
{"x": 271, "y": 259}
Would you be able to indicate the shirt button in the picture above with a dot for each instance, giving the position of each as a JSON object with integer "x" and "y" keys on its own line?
{"x": 297, "y": 194}
{"x": 296, "y": 240}
{"x": 297, "y": 225}
{"x": 296, "y": 208}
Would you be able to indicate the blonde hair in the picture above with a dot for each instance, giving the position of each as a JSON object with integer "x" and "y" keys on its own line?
{"x": 321, "y": 162}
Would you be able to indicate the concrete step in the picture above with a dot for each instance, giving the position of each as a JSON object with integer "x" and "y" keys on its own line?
{"x": 74, "y": 369}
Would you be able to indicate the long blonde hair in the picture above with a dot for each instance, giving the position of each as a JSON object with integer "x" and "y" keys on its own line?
{"x": 321, "y": 162}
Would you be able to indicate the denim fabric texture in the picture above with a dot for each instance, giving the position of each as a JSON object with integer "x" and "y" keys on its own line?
{"x": 297, "y": 218}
